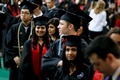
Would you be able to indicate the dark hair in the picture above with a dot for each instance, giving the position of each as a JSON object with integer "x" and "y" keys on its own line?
{"x": 35, "y": 39}
{"x": 113, "y": 30}
{"x": 102, "y": 46}
{"x": 55, "y": 22}
{"x": 75, "y": 27}
{"x": 78, "y": 61}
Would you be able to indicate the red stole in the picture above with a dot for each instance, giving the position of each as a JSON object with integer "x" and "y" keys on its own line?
{"x": 13, "y": 11}
{"x": 37, "y": 57}
{"x": 98, "y": 75}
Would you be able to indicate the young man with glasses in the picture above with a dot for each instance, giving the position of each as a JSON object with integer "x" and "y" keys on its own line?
{"x": 15, "y": 38}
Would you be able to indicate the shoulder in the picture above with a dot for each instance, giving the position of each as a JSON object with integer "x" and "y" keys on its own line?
{"x": 28, "y": 41}
{"x": 104, "y": 12}
{"x": 83, "y": 44}
{"x": 15, "y": 25}
{"x": 55, "y": 42}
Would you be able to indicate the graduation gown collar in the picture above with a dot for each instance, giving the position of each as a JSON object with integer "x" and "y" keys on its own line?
{"x": 116, "y": 75}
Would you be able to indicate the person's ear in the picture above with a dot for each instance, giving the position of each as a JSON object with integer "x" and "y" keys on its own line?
{"x": 71, "y": 26}
{"x": 80, "y": 30}
{"x": 110, "y": 57}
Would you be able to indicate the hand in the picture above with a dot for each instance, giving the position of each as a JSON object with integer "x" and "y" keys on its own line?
{"x": 59, "y": 63}
{"x": 17, "y": 60}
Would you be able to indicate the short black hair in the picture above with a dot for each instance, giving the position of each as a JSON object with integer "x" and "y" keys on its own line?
{"x": 102, "y": 46}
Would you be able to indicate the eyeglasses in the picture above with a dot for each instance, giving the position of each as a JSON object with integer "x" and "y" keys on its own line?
{"x": 25, "y": 13}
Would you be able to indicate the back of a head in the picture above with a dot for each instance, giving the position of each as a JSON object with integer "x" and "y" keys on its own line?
{"x": 100, "y": 6}
{"x": 102, "y": 46}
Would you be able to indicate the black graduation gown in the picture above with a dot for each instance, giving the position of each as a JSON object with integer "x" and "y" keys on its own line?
{"x": 51, "y": 58}
{"x": 50, "y": 13}
{"x": 44, "y": 8}
{"x": 10, "y": 52}
{"x": 26, "y": 70}
{"x": 83, "y": 74}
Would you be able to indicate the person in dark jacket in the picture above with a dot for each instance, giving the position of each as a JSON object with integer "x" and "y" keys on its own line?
{"x": 73, "y": 67}
{"x": 33, "y": 51}
{"x": 16, "y": 37}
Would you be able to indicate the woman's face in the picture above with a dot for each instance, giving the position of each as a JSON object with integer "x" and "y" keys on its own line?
{"x": 51, "y": 29}
{"x": 40, "y": 30}
{"x": 71, "y": 53}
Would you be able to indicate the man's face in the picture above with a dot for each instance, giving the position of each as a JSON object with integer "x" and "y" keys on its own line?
{"x": 63, "y": 27}
{"x": 49, "y": 4}
{"x": 116, "y": 37}
{"x": 25, "y": 15}
{"x": 103, "y": 66}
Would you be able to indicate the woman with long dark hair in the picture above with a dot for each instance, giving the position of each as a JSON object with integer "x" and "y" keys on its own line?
{"x": 73, "y": 67}
{"x": 52, "y": 29}
{"x": 33, "y": 51}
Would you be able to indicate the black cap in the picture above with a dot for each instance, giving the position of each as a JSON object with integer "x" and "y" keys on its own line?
{"x": 41, "y": 20}
{"x": 70, "y": 17}
{"x": 37, "y": 2}
{"x": 76, "y": 10}
{"x": 28, "y": 5}
{"x": 72, "y": 40}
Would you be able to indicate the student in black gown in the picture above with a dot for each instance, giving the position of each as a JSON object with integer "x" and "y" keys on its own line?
{"x": 68, "y": 25}
{"x": 51, "y": 8}
{"x": 16, "y": 37}
{"x": 33, "y": 50}
{"x": 73, "y": 67}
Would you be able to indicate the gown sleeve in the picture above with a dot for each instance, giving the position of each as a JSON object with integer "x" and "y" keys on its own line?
{"x": 51, "y": 59}
{"x": 26, "y": 71}
{"x": 9, "y": 43}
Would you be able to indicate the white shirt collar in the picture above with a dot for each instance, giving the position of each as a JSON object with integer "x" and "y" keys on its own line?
{"x": 38, "y": 15}
{"x": 116, "y": 73}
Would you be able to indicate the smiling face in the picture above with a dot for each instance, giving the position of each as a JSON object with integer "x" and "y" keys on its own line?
{"x": 71, "y": 53}
{"x": 40, "y": 30}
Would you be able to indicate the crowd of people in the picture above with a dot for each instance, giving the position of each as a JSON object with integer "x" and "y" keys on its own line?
{"x": 60, "y": 39}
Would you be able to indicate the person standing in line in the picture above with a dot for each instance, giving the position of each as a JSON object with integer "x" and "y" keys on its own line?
{"x": 106, "y": 57}
{"x": 33, "y": 51}
{"x": 16, "y": 37}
